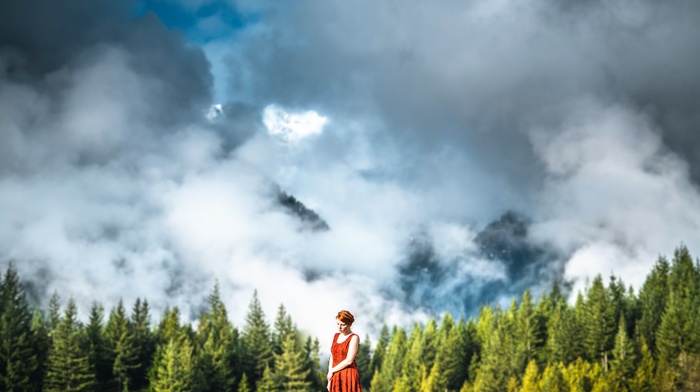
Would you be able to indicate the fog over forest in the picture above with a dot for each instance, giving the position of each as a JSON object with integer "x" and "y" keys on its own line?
{"x": 395, "y": 159}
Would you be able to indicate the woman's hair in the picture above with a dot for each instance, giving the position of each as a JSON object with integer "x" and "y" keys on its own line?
{"x": 345, "y": 317}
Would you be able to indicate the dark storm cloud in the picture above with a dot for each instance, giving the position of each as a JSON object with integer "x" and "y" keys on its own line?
{"x": 480, "y": 73}
{"x": 46, "y": 44}
{"x": 575, "y": 113}
{"x": 410, "y": 129}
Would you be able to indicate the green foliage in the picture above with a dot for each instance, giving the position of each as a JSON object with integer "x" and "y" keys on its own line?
{"x": 609, "y": 339}
{"x": 68, "y": 362}
{"x": 19, "y": 359}
{"x": 257, "y": 342}
{"x": 175, "y": 367}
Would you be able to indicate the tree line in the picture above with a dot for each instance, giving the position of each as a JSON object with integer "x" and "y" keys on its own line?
{"x": 610, "y": 338}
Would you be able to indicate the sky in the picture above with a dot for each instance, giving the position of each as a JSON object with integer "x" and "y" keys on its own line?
{"x": 459, "y": 152}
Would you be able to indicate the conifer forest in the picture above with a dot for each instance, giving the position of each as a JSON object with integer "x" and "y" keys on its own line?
{"x": 610, "y": 337}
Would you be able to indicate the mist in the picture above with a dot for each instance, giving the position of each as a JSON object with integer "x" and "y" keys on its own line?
{"x": 456, "y": 153}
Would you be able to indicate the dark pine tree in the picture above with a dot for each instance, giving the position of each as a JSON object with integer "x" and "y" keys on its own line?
{"x": 18, "y": 357}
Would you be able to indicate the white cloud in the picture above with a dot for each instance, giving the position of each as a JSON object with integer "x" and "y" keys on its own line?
{"x": 292, "y": 126}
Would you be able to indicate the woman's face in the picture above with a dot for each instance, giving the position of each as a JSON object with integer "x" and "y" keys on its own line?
{"x": 342, "y": 327}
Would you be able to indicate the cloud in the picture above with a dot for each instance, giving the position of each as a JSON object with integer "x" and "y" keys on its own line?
{"x": 460, "y": 153}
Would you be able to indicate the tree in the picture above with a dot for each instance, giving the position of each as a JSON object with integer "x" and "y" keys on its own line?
{"x": 289, "y": 367}
{"x": 268, "y": 382}
{"x": 69, "y": 364}
{"x": 174, "y": 369}
{"x": 653, "y": 297}
{"x": 599, "y": 323}
{"x": 392, "y": 367}
{"x": 283, "y": 328}
{"x": 527, "y": 331}
{"x": 18, "y": 357}
{"x": 144, "y": 343}
{"x": 98, "y": 350}
{"x": 124, "y": 354}
{"x": 312, "y": 354}
{"x": 624, "y": 360}
{"x": 218, "y": 352}
{"x": 531, "y": 379}
{"x": 257, "y": 342}
{"x": 643, "y": 380}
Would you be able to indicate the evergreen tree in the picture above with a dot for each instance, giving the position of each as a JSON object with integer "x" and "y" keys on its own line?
{"x": 599, "y": 323}
{"x": 123, "y": 352}
{"x": 257, "y": 341}
{"x": 218, "y": 358}
{"x": 289, "y": 367}
{"x": 531, "y": 379}
{"x": 243, "y": 384}
{"x": 565, "y": 335}
{"x": 97, "y": 347}
{"x": 144, "y": 343}
{"x": 454, "y": 356}
{"x": 18, "y": 356}
{"x": 169, "y": 327}
{"x": 175, "y": 367}
{"x": 69, "y": 363}
{"x": 412, "y": 372}
{"x": 283, "y": 328}
{"x": 527, "y": 331}
{"x": 312, "y": 354}
{"x": 624, "y": 360}
{"x": 363, "y": 361}
{"x": 379, "y": 352}
{"x": 268, "y": 382}
{"x": 553, "y": 379}
{"x": 643, "y": 380}
{"x": 653, "y": 297}
{"x": 42, "y": 343}
{"x": 578, "y": 375}
{"x": 392, "y": 367}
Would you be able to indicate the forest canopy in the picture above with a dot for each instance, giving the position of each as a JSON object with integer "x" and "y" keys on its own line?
{"x": 608, "y": 337}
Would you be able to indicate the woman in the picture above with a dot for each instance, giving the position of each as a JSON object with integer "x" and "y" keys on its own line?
{"x": 342, "y": 371}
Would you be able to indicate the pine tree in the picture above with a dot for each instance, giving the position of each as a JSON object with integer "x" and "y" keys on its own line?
{"x": 454, "y": 356}
{"x": 268, "y": 382}
{"x": 497, "y": 362}
{"x": 42, "y": 344}
{"x": 97, "y": 347}
{"x": 312, "y": 354}
{"x": 527, "y": 331}
{"x": 553, "y": 379}
{"x": 624, "y": 359}
{"x": 653, "y": 297}
{"x": 218, "y": 359}
{"x": 565, "y": 335}
{"x": 643, "y": 380}
{"x": 289, "y": 367}
{"x": 257, "y": 341}
{"x": 391, "y": 370}
{"x": 363, "y": 360}
{"x": 124, "y": 354}
{"x": 175, "y": 367}
{"x": 18, "y": 358}
{"x": 379, "y": 352}
{"x": 69, "y": 364}
{"x": 579, "y": 374}
{"x": 412, "y": 373}
{"x": 599, "y": 323}
{"x": 243, "y": 384}
{"x": 531, "y": 379}
{"x": 283, "y": 328}
{"x": 144, "y": 343}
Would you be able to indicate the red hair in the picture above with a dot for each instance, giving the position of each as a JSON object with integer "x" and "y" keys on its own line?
{"x": 345, "y": 317}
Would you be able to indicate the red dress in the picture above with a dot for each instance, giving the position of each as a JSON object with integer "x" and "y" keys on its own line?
{"x": 348, "y": 379}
